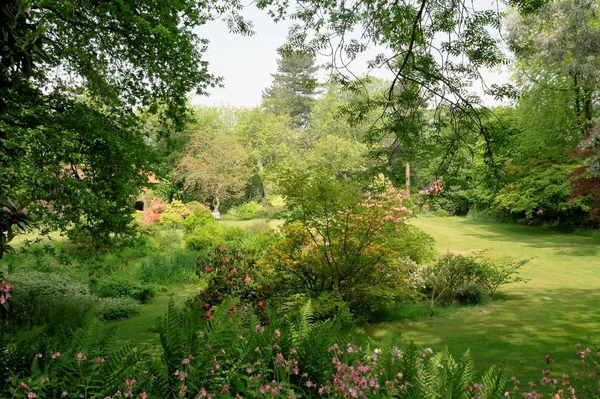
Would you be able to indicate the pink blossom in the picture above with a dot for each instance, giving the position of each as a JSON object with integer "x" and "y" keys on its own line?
{"x": 247, "y": 280}
{"x": 31, "y": 395}
{"x": 55, "y": 355}
{"x": 81, "y": 357}
{"x": 185, "y": 361}
{"x": 143, "y": 395}
{"x": 222, "y": 250}
{"x": 277, "y": 334}
{"x": 207, "y": 270}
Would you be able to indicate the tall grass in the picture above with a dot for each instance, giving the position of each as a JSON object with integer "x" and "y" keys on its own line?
{"x": 175, "y": 267}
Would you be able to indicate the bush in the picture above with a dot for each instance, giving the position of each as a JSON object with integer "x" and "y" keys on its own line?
{"x": 173, "y": 267}
{"x": 462, "y": 279}
{"x": 441, "y": 213}
{"x": 472, "y": 294}
{"x": 39, "y": 297}
{"x": 119, "y": 287}
{"x": 200, "y": 217}
{"x": 110, "y": 309}
{"x": 174, "y": 214}
{"x": 249, "y": 210}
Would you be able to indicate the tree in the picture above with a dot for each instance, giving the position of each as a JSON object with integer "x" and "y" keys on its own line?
{"x": 267, "y": 138}
{"x": 77, "y": 80}
{"x": 294, "y": 88}
{"x": 435, "y": 47}
{"x": 215, "y": 166}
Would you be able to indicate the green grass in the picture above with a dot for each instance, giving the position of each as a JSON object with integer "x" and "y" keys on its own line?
{"x": 141, "y": 328}
{"x": 232, "y": 221}
{"x": 556, "y": 309}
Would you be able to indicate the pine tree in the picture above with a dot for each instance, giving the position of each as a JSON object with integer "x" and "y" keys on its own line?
{"x": 294, "y": 88}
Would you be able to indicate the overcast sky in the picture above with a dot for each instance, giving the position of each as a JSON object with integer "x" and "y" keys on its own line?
{"x": 246, "y": 63}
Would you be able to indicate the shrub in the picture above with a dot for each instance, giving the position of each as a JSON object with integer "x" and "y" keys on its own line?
{"x": 199, "y": 218}
{"x": 464, "y": 279}
{"x": 153, "y": 211}
{"x": 173, "y": 267}
{"x": 39, "y": 297}
{"x": 472, "y": 294}
{"x": 174, "y": 214}
{"x": 110, "y": 309}
{"x": 119, "y": 287}
{"x": 249, "y": 210}
{"x": 277, "y": 201}
{"x": 359, "y": 251}
{"x": 441, "y": 213}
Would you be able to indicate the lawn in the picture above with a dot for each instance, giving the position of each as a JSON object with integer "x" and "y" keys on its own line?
{"x": 557, "y": 308}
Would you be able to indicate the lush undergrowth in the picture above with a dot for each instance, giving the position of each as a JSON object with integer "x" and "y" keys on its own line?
{"x": 556, "y": 309}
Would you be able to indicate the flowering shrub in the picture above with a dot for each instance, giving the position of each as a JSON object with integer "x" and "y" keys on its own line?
{"x": 153, "y": 211}
{"x": 361, "y": 250}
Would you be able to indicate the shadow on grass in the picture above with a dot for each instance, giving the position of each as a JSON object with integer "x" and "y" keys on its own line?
{"x": 518, "y": 331}
{"x": 536, "y": 237}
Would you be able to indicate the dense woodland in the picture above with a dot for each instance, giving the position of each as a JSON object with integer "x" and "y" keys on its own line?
{"x": 332, "y": 175}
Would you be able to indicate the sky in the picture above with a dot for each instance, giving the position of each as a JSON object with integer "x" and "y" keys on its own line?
{"x": 246, "y": 62}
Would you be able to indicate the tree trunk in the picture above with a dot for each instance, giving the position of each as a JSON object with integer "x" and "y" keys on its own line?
{"x": 407, "y": 172}
{"x": 265, "y": 184}
{"x": 216, "y": 203}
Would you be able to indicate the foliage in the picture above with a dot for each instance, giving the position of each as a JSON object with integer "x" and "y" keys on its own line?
{"x": 173, "y": 267}
{"x": 153, "y": 212}
{"x": 215, "y": 164}
{"x": 174, "y": 214}
{"x": 249, "y": 210}
{"x": 116, "y": 308}
{"x": 39, "y": 296}
{"x": 90, "y": 86}
{"x": 464, "y": 279}
{"x": 200, "y": 217}
{"x": 361, "y": 251}
{"x": 294, "y": 88}
{"x": 118, "y": 287}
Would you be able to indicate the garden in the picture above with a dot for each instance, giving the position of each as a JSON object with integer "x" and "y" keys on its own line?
{"x": 398, "y": 230}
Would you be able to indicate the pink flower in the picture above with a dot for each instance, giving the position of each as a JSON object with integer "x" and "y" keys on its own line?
{"x": 99, "y": 360}
{"x": 247, "y": 280}
{"x": 64, "y": 394}
{"x": 55, "y": 355}
{"x": 277, "y": 334}
{"x": 261, "y": 304}
{"x": 143, "y": 395}
{"x": 207, "y": 270}
{"x": 31, "y": 395}
{"x": 81, "y": 357}
{"x": 549, "y": 359}
{"x": 209, "y": 315}
{"x": 44, "y": 379}
{"x": 185, "y": 361}
{"x": 222, "y": 250}
{"x": 39, "y": 356}
{"x": 22, "y": 385}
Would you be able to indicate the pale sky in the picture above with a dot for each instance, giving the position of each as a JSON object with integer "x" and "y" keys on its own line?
{"x": 247, "y": 62}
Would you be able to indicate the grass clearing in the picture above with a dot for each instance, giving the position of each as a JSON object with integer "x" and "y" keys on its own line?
{"x": 140, "y": 328}
{"x": 552, "y": 312}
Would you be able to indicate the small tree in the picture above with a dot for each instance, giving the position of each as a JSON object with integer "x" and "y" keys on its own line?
{"x": 215, "y": 167}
